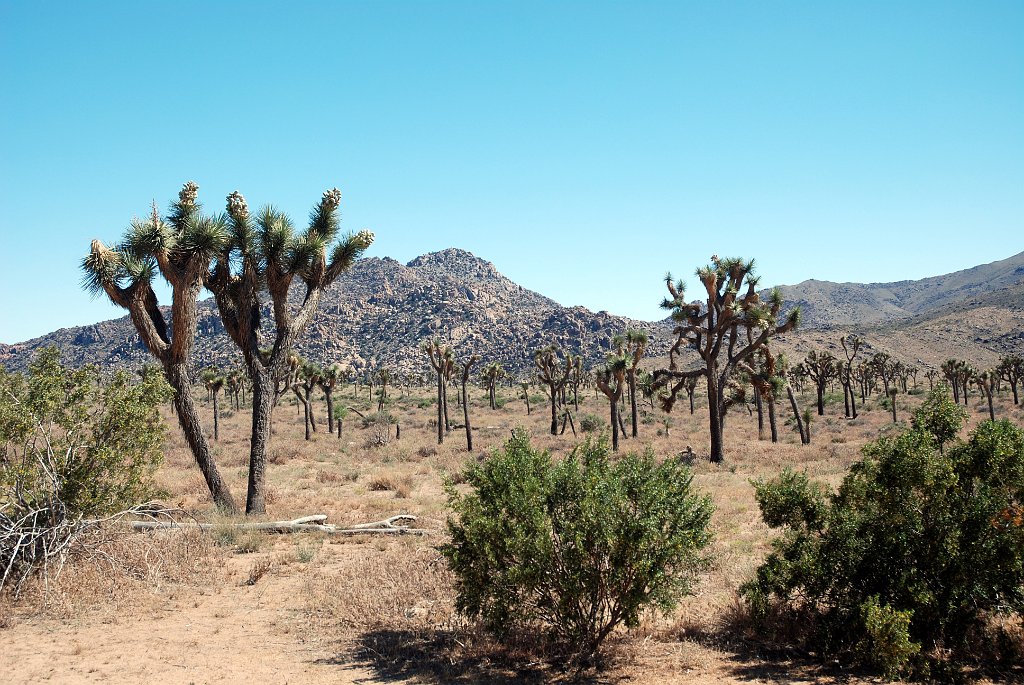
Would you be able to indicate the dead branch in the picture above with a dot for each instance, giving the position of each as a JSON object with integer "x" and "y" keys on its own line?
{"x": 305, "y": 524}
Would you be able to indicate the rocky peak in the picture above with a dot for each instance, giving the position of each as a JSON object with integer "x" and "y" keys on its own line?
{"x": 457, "y": 263}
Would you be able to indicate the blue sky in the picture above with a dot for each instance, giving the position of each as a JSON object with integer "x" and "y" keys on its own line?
{"x": 585, "y": 148}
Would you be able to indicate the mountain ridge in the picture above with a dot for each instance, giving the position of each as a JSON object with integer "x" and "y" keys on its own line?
{"x": 380, "y": 311}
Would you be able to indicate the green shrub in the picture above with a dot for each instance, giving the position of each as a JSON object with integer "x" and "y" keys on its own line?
{"x": 591, "y": 423}
{"x": 913, "y": 552}
{"x": 886, "y": 643}
{"x": 66, "y": 438}
{"x": 576, "y": 547}
{"x": 71, "y": 448}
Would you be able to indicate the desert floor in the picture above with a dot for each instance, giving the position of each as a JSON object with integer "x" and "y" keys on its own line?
{"x": 232, "y": 607}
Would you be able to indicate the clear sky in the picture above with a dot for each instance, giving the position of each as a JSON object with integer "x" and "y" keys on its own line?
{"x": 585, "y": 148}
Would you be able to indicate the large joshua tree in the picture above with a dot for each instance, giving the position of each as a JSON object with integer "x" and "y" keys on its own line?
{"x": 179, "y": 249}
{"x": 725, "y": 330}
{"x": 265, "y": 255}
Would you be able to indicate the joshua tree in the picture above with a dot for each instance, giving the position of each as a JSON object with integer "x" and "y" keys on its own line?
{"x": 575, "y": 378}
{"x": 611, "y": 380}
{"x": 801, "y": 420}
{"x": 493, "y": 372}
{"x": 1011, "y": 369}
{"x": 465, "y": 400}
{"x": 932, "y": 375}
{"x": 851, "y": 346}
{"x": 690, "y": 386}
{"x": 328, "y": 380}
{"x": 645, "y": 384}
{"x": 440, "y": 358}
{"x": 635, "y": 344}
{"x": 725, "y": 330}
{"x": 236, "y": 386}
{"x": 881, "y": 365}
{"x": 763, "y": 373}
{"x": 266, "y": 255}
{"x": 525, "y": 386}
{"x": 383, "y": 378}
{"x": 179, "y": 249}
{"x": 821, "y": 367}
{"x": 307, "y": 378}
{"x": 553, "y": 374}
{"x": 987, "y": 381}
{"x": 214, "y": 382}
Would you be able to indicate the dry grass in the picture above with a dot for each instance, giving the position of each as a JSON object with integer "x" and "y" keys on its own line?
{"x": 387, "y": 605}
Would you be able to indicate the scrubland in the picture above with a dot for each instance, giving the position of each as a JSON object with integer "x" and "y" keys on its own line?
{"x": 232, "y": 606}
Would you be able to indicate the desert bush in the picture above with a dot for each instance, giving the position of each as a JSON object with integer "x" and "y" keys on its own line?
{"x": 71, "y": 449}
{"x": 591, "y": 423}
{"x": 916, "y": 548}
{"x": 576, "y": 547}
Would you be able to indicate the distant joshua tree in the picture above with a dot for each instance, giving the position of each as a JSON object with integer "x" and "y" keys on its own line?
{"x": 464, "y": 380}
{"x": 1011, "y": 370}
{"x": 987, "y": 382}
{"x": 328, "y": 380}
{"x": 307, "y": 378}
{"x": 180, "y": 250}
{"x": 264, "y": 254}
{"x": 633, "y": 346}
{"x": 821, "y": 367}
{"x": 554, "y": 374}
{"x": 611, "y": 380}
{"x": 762, "y": 372}
{"x": 492, "y": 373}
{"x": 214, "y": 382}
{"x": 725, "y": 330}
{"x": 440, "y": 358}
{"x": 851, "y": 347}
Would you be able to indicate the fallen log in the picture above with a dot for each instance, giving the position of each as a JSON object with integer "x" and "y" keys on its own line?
{"x": 305, "y": 524}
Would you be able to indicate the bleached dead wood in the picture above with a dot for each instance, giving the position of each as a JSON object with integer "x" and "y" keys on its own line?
{"x": 305, "y": 524}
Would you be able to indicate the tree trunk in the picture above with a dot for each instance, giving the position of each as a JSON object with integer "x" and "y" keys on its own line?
{"x": 440, "y": 409}
{"x": 554, "y": 412}
{"x": 771, "y": 418}
{"x": 328, "y": 393}
{"x": 615, "y": 425}
{"x": 188, "y": 419}
{"x": 490, "y": 395}
{"x": 465, "y": 417}
{"x": 715, "y": 418}
{"x": 690, "y": 393}
{"x": 760, "y": 414}
{"x": 262, "y": 401}
{"x": 821, "y": 398}
{"x": 216, "y": 417}
{"x": 444, "y": 403}
{"x": 805, "y": 438}
{"x": 632, "y": 401}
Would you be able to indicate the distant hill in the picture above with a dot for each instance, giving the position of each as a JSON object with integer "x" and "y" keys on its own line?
{"x": 828, "y": 305}
{"x": 379, "y": 313}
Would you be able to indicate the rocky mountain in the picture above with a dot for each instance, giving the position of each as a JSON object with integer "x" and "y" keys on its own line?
{"x": 379, "y": 313}
{"x": 827, "y": 305}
